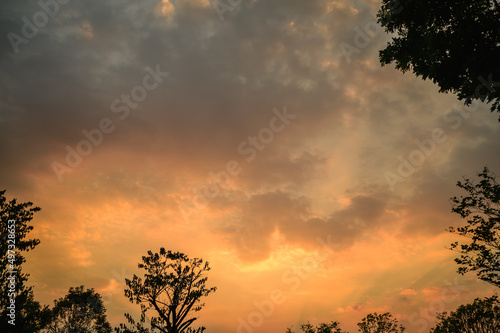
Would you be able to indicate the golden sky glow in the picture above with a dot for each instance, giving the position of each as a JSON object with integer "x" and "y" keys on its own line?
{"x": 265, "y": 150}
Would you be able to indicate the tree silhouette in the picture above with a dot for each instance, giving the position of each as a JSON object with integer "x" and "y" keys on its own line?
{"x": 17, "y": 303}
{"x": 79, "y": 312}
{"x": 454, "y": 43}
{"x": 481, "y": 208}
{"x": 380, "y": 323}
{"x": 172, "y": 289}
{"x": 483, "y": 315}
{"x": 332, "y": 327}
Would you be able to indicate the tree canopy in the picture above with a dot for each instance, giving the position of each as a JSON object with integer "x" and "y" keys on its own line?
{"x": 483, "y": 315}
{"x": 380, "y": 323}
{"x": 79, "y": 312}
{"x": 454, "y": 43}
{"x": 372, "y": 323}
{"x": 172, "y": 289}
{"x": 332, "y": 327}
{"x": 481, "y": 209}
{"x": 27, "y": 315}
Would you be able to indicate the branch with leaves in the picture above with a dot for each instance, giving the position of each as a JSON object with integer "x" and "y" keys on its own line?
{"x": 481, "y": 209}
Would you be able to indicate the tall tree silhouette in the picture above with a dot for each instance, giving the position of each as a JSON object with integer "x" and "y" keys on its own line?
{"x": 18, "y": 309}
{"x": 454, "y": 43}
{"x": 171, "y": 289}
{"x": 481, "y": 208}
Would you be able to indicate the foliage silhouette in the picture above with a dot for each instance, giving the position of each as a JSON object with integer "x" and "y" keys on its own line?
{"x": 481, "y": 208}
{"x": 79, "y": 312}
{"x": 483, "y": 315}
{"x": 380, "y": 323}
{"x": 454, "y": 43}
{"x": 30, "y": 316}
{"x": 332, "y": 327}
{"x": 172, "y": 289}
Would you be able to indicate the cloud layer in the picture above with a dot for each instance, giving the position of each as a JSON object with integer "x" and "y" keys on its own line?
{"x": 121, "y": 156}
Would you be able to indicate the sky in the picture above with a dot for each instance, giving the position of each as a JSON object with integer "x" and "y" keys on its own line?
{"x": 261, "y": 136}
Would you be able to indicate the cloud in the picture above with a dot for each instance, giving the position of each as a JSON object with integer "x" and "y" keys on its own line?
{"x": 407, "y": 292}
{"x": 292, "y": 218}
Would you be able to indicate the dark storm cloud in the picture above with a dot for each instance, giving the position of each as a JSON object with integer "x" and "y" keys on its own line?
{"x": 225, "y": 78}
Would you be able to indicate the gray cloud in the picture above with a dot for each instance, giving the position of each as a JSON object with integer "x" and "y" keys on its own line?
{"x": 250, "y": 231}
